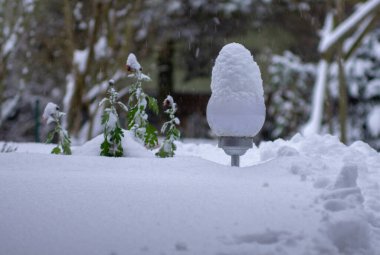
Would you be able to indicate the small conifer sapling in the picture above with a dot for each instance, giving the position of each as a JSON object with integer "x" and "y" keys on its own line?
{"x": 138, "y": 103}
{"x": 112, "y": 146}
{"x": 53, "y": 115}
{"x": 170, "y": 130}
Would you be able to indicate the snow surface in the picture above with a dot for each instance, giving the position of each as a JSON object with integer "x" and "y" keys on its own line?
{"x": 237, "y": 93}
{"x": 309, "y": 196}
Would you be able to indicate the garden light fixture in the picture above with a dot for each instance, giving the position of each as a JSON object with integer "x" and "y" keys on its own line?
{"x": 236, "y": 109}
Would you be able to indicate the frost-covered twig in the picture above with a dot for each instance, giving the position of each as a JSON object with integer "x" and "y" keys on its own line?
{"x": 138, "y": 103}
{"x": 169, "y": 128}
{"x": 112, "y": 131}
{"x": 53, "y": 115}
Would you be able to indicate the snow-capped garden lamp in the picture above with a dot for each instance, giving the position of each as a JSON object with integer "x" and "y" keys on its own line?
{"x": 236, "y": 109}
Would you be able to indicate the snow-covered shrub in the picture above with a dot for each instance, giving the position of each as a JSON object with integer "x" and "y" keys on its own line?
{"x": 363, "y": 81}
{"x": 169, "y": 129}
{"x": 112, "y": 131}
{"x": 138, "y": 102}
{"x": 53, "y": 115}
{"x": 289, "y": 91}
{"x": 288, "y": 94}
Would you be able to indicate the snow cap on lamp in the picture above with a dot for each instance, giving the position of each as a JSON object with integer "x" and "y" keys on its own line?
{"x": 236, "y": 107}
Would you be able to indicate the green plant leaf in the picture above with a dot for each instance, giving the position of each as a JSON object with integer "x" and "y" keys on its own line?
{"x": 105, "y": 117}
{"x": 119, "y": 151}
{"x": 56, "y": 150}
{"x": 176, "y": 133}
{"x": 162, "y": 154}
{"x": 105, "y": 148}
{"x": 50, "y": 136}
{"x": 131, "y": 117}
{"x": 151, "y": 136}
{"x": 152, "y": 104}
{"x": 66, "y": 148}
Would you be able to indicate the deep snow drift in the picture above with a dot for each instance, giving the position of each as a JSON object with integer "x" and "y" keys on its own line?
{"x": 304, "y": 196}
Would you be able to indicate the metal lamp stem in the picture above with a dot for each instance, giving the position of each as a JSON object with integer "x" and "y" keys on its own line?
{"x": 235, "y": 160}
{"x": 235, "y": 147}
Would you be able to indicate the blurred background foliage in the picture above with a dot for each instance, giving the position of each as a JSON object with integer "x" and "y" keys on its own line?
{"x": 65, "y": 51}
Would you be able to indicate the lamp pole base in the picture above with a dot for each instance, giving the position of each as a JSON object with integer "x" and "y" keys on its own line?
{"x": 235, "y": 147}
{"x": 235, "y": 160}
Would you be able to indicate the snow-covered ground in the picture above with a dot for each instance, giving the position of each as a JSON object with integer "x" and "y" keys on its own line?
{"x": 305, "y": 196}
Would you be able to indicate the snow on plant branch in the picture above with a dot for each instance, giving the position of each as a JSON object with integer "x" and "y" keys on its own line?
{"x": 135, "y": 69}
{"x": 138, "y": 102}
{"x": 343, "y": 29}
{"x": 170, "y": 130}
{"x": 52, "y": 114}
{"x": 112, "y": 132}
{"x": 132, "y": 64}
{"x": 350, "y": 42}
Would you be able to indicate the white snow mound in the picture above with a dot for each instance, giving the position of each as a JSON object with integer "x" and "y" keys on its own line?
{"x": 131, "y": 147}
{"x": 236, "y": 106}
{"x": 308, "y": 195}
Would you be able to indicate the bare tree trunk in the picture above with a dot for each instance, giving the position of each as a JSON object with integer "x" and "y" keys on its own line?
{"x": 329, "y": 111}
{"x": 129, "y": 28}
{"x": 318, "y": 97}
{"x": 342, "y": 80}
{"x": 69, "y": 30}
{"x": 165, "y": 69}
{"x": 77, "y": 110}
{"x": 2, "y": 83}
{"x": 109, "y": 21}
{"x": 343, "y": 105}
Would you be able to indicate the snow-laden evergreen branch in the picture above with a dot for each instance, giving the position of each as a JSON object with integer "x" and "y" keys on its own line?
{"x": 112, "y": 131}
{"x": 170, "y": 130}
{"x": 330, "y": 39}
{"x": 138, "y": 102}
{"x": 53, "y": 115}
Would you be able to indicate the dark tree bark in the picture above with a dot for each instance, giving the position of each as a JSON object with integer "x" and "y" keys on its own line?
{"x": 78, "y": 111}
{"x": 165, "y": 70}
{"x": 342, "y": 80}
